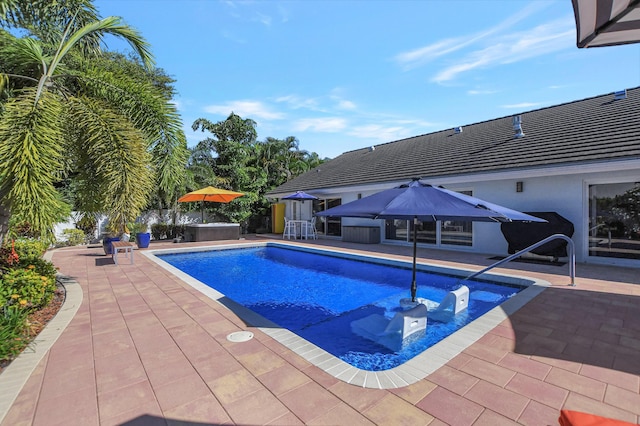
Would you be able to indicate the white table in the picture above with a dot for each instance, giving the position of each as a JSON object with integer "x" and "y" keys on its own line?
{"x": 123, "y": 246}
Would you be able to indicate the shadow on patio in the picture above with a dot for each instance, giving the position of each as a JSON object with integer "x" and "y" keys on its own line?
{"x": 585, "y": 327}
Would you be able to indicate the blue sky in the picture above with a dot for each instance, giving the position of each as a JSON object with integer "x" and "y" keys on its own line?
{"x": 344, "y": 75}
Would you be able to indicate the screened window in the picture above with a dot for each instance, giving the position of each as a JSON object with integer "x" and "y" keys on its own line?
{"x": 614, "y": 220}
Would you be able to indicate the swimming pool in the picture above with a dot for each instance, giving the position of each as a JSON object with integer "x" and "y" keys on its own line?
{"x": 316, "y": 294}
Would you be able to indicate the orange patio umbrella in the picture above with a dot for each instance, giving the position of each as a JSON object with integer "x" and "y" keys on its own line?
{"x": 216, "y": 195}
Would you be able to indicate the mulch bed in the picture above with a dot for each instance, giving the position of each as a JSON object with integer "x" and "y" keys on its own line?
{"x": 40, "y": 318}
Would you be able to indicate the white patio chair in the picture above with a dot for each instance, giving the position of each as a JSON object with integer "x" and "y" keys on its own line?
{"x": 309, "y": 229}
{"x": 289, "y": 229}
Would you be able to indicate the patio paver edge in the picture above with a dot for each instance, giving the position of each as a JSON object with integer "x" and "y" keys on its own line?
{"x": 14, "y": 377}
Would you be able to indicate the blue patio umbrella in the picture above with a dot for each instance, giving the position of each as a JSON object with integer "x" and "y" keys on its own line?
{"x": 300, "y": 196}
{"x": 423, "y": 202}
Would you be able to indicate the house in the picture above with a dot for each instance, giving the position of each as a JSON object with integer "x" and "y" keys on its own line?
{"x": 579, "y": 159}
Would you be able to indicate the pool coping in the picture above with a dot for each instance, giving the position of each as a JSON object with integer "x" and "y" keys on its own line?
{"x": 406, "y": 374}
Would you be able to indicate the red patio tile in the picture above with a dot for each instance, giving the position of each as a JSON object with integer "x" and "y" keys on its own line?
{"x": 288, "y": 419}
{"x": 621, "y": 379}
{"x": 454, "y": 380}
{"x": 78, "y": 407}
{"x": 502, "y": 401}
{"x": 486, "y": 352}
{"x": 538, "y": 390}
{"x": 576, "y": 383}
{"x": 112, "y": 343}
{"x": 392, "y": 410}
{"x": 450, "y": 407}
{"x": 181, "y": 391}
{"x": 260, "y": 361}
{"x": 124, "y": 399}
{"x": 58, "y": 383}
{"x": 340, "y": 415}
{"x": 309, "y": 401}
{"x": 491, "y": 418}
{"x": 256, "y": 408}
{"x": 206, "y": 410}
{"x": 492, "y": 373}
{"x": 578, "y": 402}
{"x": 234, "y": 386}
{"x": 536, "y": 414}
{"x": 283, "y": 379}
{"x": 622, "y": 398}
{"x": 117, "y": 371}
{"x": 413, "y": 393}
{"x": 525, "y": 365}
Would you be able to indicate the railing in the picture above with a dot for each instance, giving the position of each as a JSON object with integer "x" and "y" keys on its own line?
{"x": 572, "y": 257}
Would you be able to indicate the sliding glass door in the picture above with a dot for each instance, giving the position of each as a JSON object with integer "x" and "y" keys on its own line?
{"x": 614, "y": 220}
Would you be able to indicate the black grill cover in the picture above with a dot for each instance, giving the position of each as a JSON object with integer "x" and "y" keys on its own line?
{"x": 521, "y": 235}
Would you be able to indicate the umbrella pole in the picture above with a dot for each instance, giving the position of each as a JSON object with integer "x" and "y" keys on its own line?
{"x": 414, "y": 286}
{"x": 202, "y": 211}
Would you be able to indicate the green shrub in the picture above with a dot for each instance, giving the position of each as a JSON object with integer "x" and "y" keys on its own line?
{"x": 41, "y": 266}
{"x": 159, "y": 231}
{"x": 26, "y": 289}
{"x": 28, "y": 248}
{"x": 13, "y": 332}
{"x": 74, "y": 237}
{"x": 137, "y": 227}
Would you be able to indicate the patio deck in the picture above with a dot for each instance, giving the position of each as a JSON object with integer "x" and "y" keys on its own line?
{"x": 144, "y": 348}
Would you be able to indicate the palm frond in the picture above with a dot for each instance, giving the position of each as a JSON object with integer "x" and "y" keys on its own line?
{"x": 150, "y": 112}
{"x": 30, "y": 154}
{"x": 111, "y": 25}
{"x": 117, "y": 162}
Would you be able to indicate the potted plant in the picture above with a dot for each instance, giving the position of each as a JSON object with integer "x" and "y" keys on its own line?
{"x": 110, "y": 235}
{"x": 140, "y": 231}
{"x": 114, "y": 231}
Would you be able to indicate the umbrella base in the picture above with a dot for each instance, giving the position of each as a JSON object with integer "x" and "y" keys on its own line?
{"x": 406, "y": 303}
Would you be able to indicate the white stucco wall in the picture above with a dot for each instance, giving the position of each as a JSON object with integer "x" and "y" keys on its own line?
{"x": 563, "y": 190}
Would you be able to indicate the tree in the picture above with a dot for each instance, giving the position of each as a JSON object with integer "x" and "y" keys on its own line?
{"x": 234, "y": 159}
{"x": 68, "y": 110}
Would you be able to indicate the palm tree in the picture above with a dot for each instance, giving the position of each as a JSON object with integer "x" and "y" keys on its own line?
{"x": 67, "y": 110}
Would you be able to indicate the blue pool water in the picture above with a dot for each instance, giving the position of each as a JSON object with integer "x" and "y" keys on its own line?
{"x": 317, "y": 296}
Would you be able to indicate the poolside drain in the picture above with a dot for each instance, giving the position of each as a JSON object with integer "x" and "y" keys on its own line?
{"x": 240, "y": 336}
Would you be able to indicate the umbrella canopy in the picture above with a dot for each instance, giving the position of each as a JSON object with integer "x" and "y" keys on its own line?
{"x": 300, "y": 195}
{"x": 216, "y": 195}
{"x": 606, "y": 22}
{"x": 420, "y": 201}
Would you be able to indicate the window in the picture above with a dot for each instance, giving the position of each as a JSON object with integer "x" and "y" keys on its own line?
{"x": 328, "y": 225}
{"x": 448, "y": 232}
{"x": 614, "y": 220}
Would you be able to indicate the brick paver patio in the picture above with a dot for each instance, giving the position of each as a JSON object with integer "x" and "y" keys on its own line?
{"x": 144, "y": 348}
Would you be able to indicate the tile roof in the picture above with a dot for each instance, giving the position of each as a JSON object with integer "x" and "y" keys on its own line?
{"x": 596, "y": 129}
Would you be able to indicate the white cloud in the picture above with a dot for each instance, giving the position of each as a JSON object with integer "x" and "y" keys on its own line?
{"x": 481, "y": 92}
{"x": 510, "y": 48}
{"x": 375, "y": 131}
{"x": 344, "y": 104}
{"x": 296, "y": 102}
{"x": 422, "y": 55}
{"x": 324, "y": 125}
{"x": 341, "y": 103}
{"x": 246, "y": 109}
